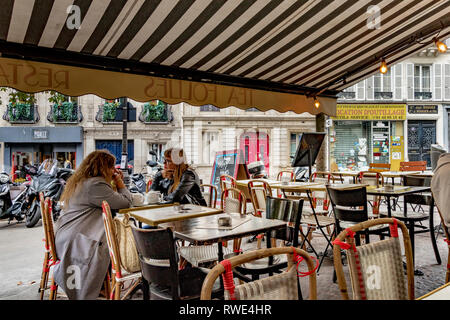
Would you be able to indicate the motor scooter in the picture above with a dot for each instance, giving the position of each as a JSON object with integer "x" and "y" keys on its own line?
{"x": 12, "y": 196}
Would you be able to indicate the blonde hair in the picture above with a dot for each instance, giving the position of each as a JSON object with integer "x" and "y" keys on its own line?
{"x": 178, "y": 158}
{"x": 96, "y": 164}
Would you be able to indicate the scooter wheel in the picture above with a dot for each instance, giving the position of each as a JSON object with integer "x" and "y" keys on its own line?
{"x": 33, "y": 215}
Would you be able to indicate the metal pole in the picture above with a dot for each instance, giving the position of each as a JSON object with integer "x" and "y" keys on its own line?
{"x": 124, "y": 167}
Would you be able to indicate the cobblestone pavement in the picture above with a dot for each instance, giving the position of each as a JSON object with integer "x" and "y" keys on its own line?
{"x": 21, "y": 256}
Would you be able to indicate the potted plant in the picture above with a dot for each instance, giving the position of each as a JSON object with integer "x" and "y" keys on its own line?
{"x": 62, "y": 108}
{"x": 155, "y": 111}
{"x": 110, "y": 110}
{"x": 20, "y": 106}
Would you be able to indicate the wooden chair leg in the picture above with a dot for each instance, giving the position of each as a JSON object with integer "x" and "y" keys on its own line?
{"x": 117, "y": 290}
{"x": 53, "y": 290}
{"x": 44, "y": 275}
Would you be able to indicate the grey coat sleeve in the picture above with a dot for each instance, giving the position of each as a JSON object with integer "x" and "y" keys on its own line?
{"x": 101, "y": 190}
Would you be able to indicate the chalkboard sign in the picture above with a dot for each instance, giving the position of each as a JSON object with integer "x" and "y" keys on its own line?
{"x": 227, "y": 162}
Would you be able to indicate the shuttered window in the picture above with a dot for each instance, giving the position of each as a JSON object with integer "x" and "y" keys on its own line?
{"x": 351, "y": 146}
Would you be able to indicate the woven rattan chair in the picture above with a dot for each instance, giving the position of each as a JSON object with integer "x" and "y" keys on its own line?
{"x": 374, "y": 180}
{"x": 211, "y": 195}
{"x": 50, "y": 257}
{"x": 118, "y": 274}
{"x": 284, "y": 176}
{"x": 376, "y": 269}
{"x": 233, "y": 200}
{"x": 282, "y": 286}
{"x": 258, "y": 191}
{"x": 227, "y": 181}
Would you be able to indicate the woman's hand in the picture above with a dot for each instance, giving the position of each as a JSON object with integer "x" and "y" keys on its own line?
{"x": 167, "y": 173}
{"x": 118, "y": 179}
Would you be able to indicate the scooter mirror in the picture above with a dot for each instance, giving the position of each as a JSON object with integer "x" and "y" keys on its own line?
{"x": 153, "y": 153}
{"x": 152, "y": 163}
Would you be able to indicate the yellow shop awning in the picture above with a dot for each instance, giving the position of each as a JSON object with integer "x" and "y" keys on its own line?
{"x": 267, "y": 54}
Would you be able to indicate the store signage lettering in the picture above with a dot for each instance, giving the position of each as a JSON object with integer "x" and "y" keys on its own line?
{"x": 370, "y": 112}
{"x": 40, "y": 134}
{"x": 33, "y": 76}
{"x": 422, "y": 109}
{"x": 13, "y": 73}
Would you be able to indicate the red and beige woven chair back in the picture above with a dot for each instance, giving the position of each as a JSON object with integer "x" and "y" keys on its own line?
{"x": 376, "y": 268}
{"x": 113, "y": 247}
{"x": 282, "y": 286}
{"x": 227, "y": 181}
{"x": 233, "y": 200}
{"x": 374, "y": 180}
{"x": 258, "y": 191}
{"x": 447, "y": 240}
{"x": 210, "y": 195}
{"x": 50, "y": 257}
{"x": 284, "y": 176}
{"x": 148, "y": 185}
{"x": 321, "y": 197}
{"x": 413, "y": 166}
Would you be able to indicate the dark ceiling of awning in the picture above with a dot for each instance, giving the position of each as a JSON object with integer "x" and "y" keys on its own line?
{"x": 288, "y": 46}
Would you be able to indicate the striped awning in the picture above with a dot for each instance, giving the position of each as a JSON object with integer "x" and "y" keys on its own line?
{"x": 300, "y": 49}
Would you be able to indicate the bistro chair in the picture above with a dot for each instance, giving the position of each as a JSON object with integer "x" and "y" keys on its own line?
{"x": 227, "y": 181}
{"x": 159, "y": 264}
{"x": 376, "y": 269}
{"x": 447, "y": 240}
{"x": 50, "y": 257}
{"x": 286, "y": 210}
{"x": 321, "y": 197}
{"x": 350, "y": 207}
{"x": 211, "y": 194}
{"x": 258, "y": 191}
{"x": 233, "y": 200}
{"x": 283, "y": 286}
{"x": 413, "y": 166}
{"x": 379, "y": 167}
{"x": 413, "y": 220}
{"x": 119, "y": 275}
{"x": 374, "y": 180}
{"x": 284, "y": 176}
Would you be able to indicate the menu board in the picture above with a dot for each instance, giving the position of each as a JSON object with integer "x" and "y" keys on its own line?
{"x": 229, "y": 162}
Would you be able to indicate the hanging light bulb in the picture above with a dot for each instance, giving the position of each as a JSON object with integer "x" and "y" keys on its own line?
{"x": 316, "y": 103}
{"x": 442, "y": 47}
{"x": 383, "y": 67}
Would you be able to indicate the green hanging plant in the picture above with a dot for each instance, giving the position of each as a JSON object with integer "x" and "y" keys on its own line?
{"x": 155, "y": 111}
{"x": 63, "y": 108}
{"x": 20, "y": 105}
{"x": 110, "y": 110}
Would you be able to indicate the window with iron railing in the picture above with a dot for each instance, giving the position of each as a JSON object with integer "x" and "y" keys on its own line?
{"x": 382, "y": 86}
{"x": 156, "y": 111}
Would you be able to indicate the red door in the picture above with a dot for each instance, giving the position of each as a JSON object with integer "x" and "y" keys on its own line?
{"x": 255, "y": 147}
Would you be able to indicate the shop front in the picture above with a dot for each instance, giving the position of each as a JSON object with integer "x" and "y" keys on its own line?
{"x": 33, "y": 145}
{"x": 361, "y": 134}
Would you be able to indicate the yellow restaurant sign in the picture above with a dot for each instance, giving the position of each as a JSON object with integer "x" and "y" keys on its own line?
{"x": 370, "y": 112}
{"x": 32, "y": 76}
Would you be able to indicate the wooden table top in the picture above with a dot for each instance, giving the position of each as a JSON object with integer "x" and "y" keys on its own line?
{"x": 244, "y": 183}
{"x": 193, "y": 230}
{"x": 160, "y": 214}
{"x": 441, "y": 293}
{"x": 144, "y": 207}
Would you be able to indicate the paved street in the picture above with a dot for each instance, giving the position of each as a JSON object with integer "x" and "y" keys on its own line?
{"x": 21, "y": 256}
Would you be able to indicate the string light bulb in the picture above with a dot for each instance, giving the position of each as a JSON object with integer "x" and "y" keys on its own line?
{"x": 383, "y": 67}
{"x": 316, "y": 103}
{"x": 442, "y": 47}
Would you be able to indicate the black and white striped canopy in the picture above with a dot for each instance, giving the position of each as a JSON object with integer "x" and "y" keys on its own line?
{"x": 307, "y": 47}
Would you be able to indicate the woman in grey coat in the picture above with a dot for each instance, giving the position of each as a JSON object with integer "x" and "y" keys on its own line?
{"x": 80, "y": 234}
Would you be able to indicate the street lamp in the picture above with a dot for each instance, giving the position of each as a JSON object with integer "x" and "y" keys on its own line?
{"x": 124, "y": 160}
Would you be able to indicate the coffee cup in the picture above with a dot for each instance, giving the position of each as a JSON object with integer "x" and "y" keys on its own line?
{"x": 153, "y": 197}
{"x": 138, "y": 199}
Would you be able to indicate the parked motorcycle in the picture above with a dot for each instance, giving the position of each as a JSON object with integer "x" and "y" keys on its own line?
{"x": 138, "y": 184}
{"x": 12, "y": 197}
{"x": 51, "y": 182}
{"x": 154, "y": 165}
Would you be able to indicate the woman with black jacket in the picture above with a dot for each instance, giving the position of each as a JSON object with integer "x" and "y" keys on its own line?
{"x": 178, "y": 182}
